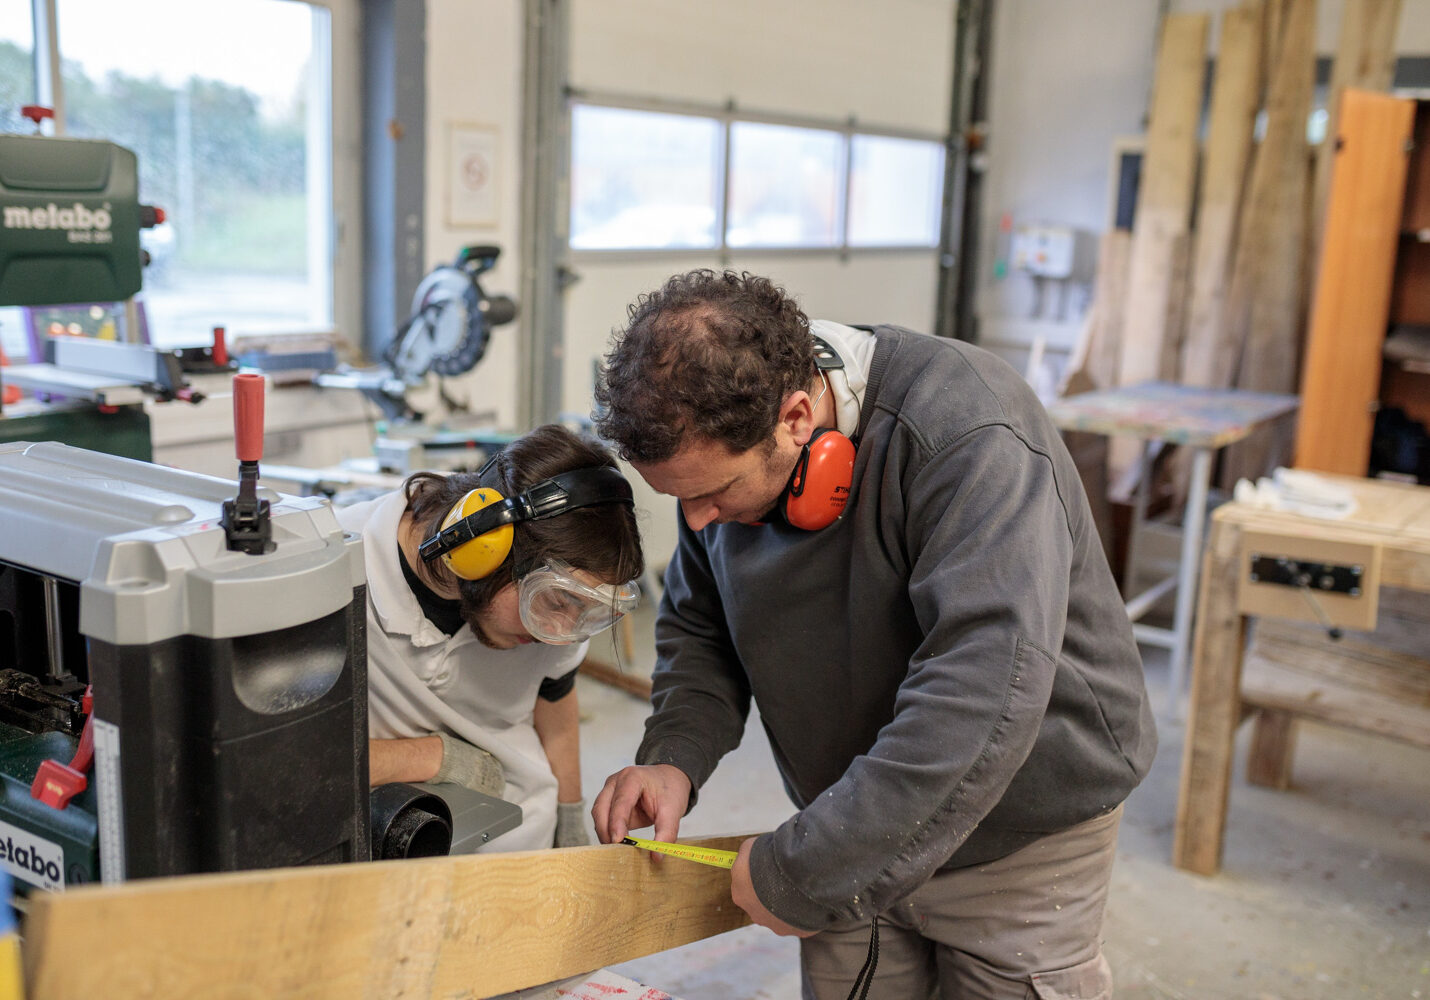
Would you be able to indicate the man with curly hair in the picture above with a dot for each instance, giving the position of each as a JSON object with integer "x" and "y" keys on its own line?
{"x": 946, "y": 672}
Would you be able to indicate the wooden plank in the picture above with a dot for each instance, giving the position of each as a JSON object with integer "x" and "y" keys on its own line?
{"x": 1094, "y": 365}
{"x": 1275, "y": 24}
{"x": 1207, "y": 357}
{"x": 636, "y": 684}
{"x": 1271, "y": 685}
{"x": 1164, "y": 198}
{"x": 1365, "y": 60}
{"x": 467, "y": 926}
{"x": 1094, "y": 362}
{"x": 1352, "y": 298}
{"x": 1273, "y": 744}
{"x": 1265, "y": 306}
{"x": 1214, "y": 708}
{"x": 1179, "y": 283}
{"x": 1351, "y": 661}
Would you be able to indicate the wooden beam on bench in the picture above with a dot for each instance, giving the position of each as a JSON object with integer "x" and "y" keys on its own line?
{"x": 1298, "y": 669}
{"x": 469, "y": 926}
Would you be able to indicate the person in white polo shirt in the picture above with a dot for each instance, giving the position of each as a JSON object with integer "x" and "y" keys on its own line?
{"x": 483, "y": 591}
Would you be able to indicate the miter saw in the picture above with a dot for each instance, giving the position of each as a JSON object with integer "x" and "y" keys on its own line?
{"x": 446, "y": 334}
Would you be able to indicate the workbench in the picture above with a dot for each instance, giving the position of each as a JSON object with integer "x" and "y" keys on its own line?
{"x": 1200, "y": 420}
{"x": 1297, "y": 673}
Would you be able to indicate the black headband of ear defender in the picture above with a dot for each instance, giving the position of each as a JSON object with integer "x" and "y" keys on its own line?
{"x": 548, "y": 498}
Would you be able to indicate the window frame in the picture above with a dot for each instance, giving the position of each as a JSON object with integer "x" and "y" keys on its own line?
{"x": 727, "y": 115}
{"x": 343, "y": 242}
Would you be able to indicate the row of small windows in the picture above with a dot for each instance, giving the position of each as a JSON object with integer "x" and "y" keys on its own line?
{"x": 652, "y": 180}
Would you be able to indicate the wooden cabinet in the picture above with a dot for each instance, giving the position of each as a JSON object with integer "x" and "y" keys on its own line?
{"x": 1373, "y": 274}
{"x": 1402, "y": 385}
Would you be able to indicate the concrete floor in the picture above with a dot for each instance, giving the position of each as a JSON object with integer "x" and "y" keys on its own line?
{"x": 1325, "y": 892}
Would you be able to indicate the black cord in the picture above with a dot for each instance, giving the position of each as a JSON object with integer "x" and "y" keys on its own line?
{"x": 865, "y": 979}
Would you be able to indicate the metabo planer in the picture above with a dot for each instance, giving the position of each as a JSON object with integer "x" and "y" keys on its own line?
{"x": 213, "y": 666}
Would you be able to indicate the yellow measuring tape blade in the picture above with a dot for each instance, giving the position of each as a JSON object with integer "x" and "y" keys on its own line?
{"x": 704, "y": 855}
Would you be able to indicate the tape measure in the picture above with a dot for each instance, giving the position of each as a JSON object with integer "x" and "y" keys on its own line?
{"x": 704, "y": 855}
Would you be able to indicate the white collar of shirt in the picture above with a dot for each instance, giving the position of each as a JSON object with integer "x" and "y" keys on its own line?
{"x": 392, "y": 599}
{"x": 856, "y": 349}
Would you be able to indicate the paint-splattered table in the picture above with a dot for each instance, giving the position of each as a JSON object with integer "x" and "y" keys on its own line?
{"x": 1201, "y": 420}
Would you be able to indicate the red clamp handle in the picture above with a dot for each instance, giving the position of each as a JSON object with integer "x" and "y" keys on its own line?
{"x": 56, "y": 783}
{"x": 248, "y": 416}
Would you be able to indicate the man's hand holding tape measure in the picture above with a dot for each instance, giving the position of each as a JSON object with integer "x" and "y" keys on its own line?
{"x": 642, "y": 795}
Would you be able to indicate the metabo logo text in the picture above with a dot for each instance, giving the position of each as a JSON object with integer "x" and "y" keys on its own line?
{"x": 79, "y": 222}
{"x": 34, "y": 859}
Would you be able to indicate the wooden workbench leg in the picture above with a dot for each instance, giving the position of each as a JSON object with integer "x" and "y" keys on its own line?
{"x": 1214, "y": 709}
{"x": 1273, "y": 741}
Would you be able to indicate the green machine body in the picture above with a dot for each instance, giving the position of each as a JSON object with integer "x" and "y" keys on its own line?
{"x": 43, "y": 846}
{"x": 69, "y": 221}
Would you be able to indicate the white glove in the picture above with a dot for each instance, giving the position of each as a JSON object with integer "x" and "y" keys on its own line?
{"x": 470, "y": 766}
{"x": 571, "y": 825}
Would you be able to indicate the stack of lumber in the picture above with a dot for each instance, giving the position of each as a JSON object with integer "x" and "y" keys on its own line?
{"x": 1211, "y": 286}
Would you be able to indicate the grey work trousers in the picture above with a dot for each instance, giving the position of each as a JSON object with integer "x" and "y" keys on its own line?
{"x": 1024, "y": 927}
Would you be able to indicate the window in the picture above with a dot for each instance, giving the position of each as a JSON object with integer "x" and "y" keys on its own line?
{"x": 620, "y": 158}
{"x": 228, "y": 108}
{"x": 786, "y": 186}
{"x": 17, "y": 89}
{"x": 895, "y": 189}
{"x": 658, "y": 180}
{"x": 17, "y": 64}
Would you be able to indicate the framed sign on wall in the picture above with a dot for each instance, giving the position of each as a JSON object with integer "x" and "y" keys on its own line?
{"x": 471, "y": 174}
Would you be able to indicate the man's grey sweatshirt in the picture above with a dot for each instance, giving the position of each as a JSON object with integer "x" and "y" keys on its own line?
{"x": 946, "y": 674}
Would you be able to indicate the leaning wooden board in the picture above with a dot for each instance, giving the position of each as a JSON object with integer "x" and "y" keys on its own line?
{"x": 462, "y": 927}
{"x": 1365, "y": 60}
{"x": 1161, "y": 226}
{"x": 1207, "y": 357}
{"x": 1164, "y": 197}
{"x": 1264, "y": 308}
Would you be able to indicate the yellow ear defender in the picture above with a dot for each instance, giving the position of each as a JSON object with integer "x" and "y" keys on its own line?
{"x": 478, "y": 558}
{"x": 476, "y": 535}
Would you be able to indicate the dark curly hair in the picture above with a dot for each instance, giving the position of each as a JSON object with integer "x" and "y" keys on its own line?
{"x": 707, "y": 355}
{"x": 602, "y": 539}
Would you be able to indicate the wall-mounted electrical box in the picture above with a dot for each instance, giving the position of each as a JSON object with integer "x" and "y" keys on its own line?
{"x": 1047, "y": 251}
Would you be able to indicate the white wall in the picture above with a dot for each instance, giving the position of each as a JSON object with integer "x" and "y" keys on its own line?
{"x": 883, "y": 62}
{"x": 1068, "y": 78}
{"x": 474, "y": 67}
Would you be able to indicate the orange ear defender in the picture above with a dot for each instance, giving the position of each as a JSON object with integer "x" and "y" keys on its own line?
{"x": 819, "y": 488}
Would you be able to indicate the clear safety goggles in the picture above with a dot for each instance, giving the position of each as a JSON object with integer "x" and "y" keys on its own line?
{"x": 559, "y": 607}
